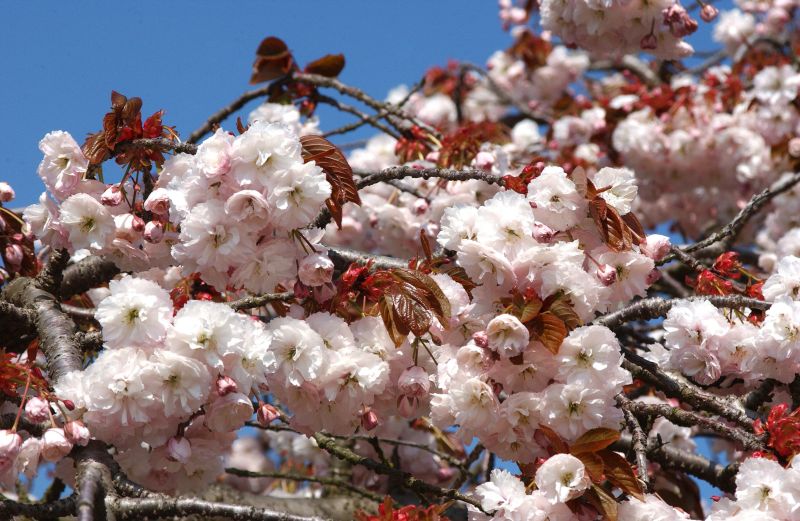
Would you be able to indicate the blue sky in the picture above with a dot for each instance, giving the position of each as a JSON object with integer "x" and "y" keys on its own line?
{"x": 61, "y": 60}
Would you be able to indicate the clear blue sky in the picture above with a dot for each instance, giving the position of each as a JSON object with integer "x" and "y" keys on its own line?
{"x": 60, "y": 60}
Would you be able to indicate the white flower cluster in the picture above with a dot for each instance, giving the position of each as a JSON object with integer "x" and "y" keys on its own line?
{"x": 561, "y": 478}
{"x": 612, "y": 28}
{"x": 706, "y": 343}
{"x": 764, "y": 491}
{"x": 169, "y": 392}
{"x": 223, "y": 212}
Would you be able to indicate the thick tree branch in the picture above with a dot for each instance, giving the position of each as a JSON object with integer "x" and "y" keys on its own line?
{"x": 44, "y": 511}
{"x": 86, "y": 274}
{"x": 655, "y": 307}
{"x": 162, "y": 507}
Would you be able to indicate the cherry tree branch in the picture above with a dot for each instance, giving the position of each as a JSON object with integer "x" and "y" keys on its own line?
{"x": 407, "y": 480}
{"x": 365, "y": 118}
{"x": 730, "y": 231}
{"x": 157, "y": 142}
{"x": 353, "y": 92}
{"x": 164, "y": 506}
{"x": 638, "y": 439}
{"x": 86, "y": 274}
{"x": 331, "y": 482}
{"x": 44, "y": 511}
{"x": 223, "y": 113}
{"x": 649, "y": 308}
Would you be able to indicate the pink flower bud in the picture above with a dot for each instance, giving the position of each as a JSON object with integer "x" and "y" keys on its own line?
{"x": 794, "y": 147}
{"x": 153, "y": 232}
{"x": 543, "y": 233}
{"x": 607, "y": 274}
{"x": 315, "y": 270}
{"x": 69, "y": 404}
{"x": 653, "y": 276}
{"x": 655, "y": 246}
{"x": 36, "y": 410}
{"x": 484, "y": 160}
{"x": 55, "y": 445}
{"x": 369, "y": 420}
{"x": 226, "y": 385}
{"x": 179, "y": 449}
{"x": 77, "y": 433}
{"x": 137, "y": 224}
{"x": 10, "y": 443}
{"x": 481, "y": 339}
{"x": 158, "y": 202}
{"x": 14, "y": 255}
{"x": 6, "y": 192}
{"x": 708, "y": 13}
{"x": 267, "y": 414}
{"x": 445, "y": 474}
{"x": 420, "y": 206}
{"x": 648, "y": 42}
{"x": 112, "y": 196}
{"x": 414, "y": 381}
{"x": 228, "y": 413}
{"x": 679, "y": 22}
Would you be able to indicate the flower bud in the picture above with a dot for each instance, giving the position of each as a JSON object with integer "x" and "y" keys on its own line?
{"x": 481, "y": 339}
{"x": 794, "y": 147}
{"x": 226, "y": 385}
{"x": 179, "y": 449}
{"x": 445, "y": 474}
{"x": 137, "y": 224}
{"x": 543, "y": 233}
{"x": 484, "y": 161}
{"x": 14, "y": 255}
{"x": 153, "y": 232}
{"x": 369, "y": 420}
{"x": 507, "y": 336}
{"x": 315, "y": 270}
{"x": 77, "y": 433}
{"x": 36, "y": 410}
{"x": 6, "y": 192}
{"x": 414, "y": 381}
{"x": 55, "y": 445}
{"x": 648, "y": 42}
{"x": 655, "y": 246}
{"x": 606, "y": 274}
{"x": 112, "y": 196}
{"x": 10, "y": 443}
{"x": 653, "y": 276}
{"x": 267, "y": 414}
{"x": 708, "y": 13}
{"x": 69, "y": 404}
{"x": 158, "y": 202}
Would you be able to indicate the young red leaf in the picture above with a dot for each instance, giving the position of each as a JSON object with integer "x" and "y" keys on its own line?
{"x": 549, "y": 330}
{"x": 337, "y": 171}
{"x": 330, "y": 65}
{"x": 273, "y": 60}
{"x": 620, "y": 473}
{"x": 604, "y": 502}
{"x": 594, "y": 440}
{"x": 594, "y": 465}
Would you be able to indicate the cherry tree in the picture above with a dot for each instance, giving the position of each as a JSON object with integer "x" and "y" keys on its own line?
{"x": 468, "y": 315}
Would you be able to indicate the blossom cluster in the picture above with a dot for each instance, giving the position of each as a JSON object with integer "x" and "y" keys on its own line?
{"x": 223, "y": 213}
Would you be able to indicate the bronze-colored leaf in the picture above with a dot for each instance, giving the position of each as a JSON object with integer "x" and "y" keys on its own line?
{"x": 330, "y": 65}
{"x": 604, "y": 502}
{"x": 530, "y": 310}
{"x": 620, "y": 473}
{"x": 273, "y": 60}
{"x": 337, "y": 171}
{"x": 635, "y": 227}
{"x": 593, "y": 464}
{"x": 549, "y": 330}
{"x": 556, "y": 443}
{"x": 562, "y": 308}
{"x": 594, "y": 440}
